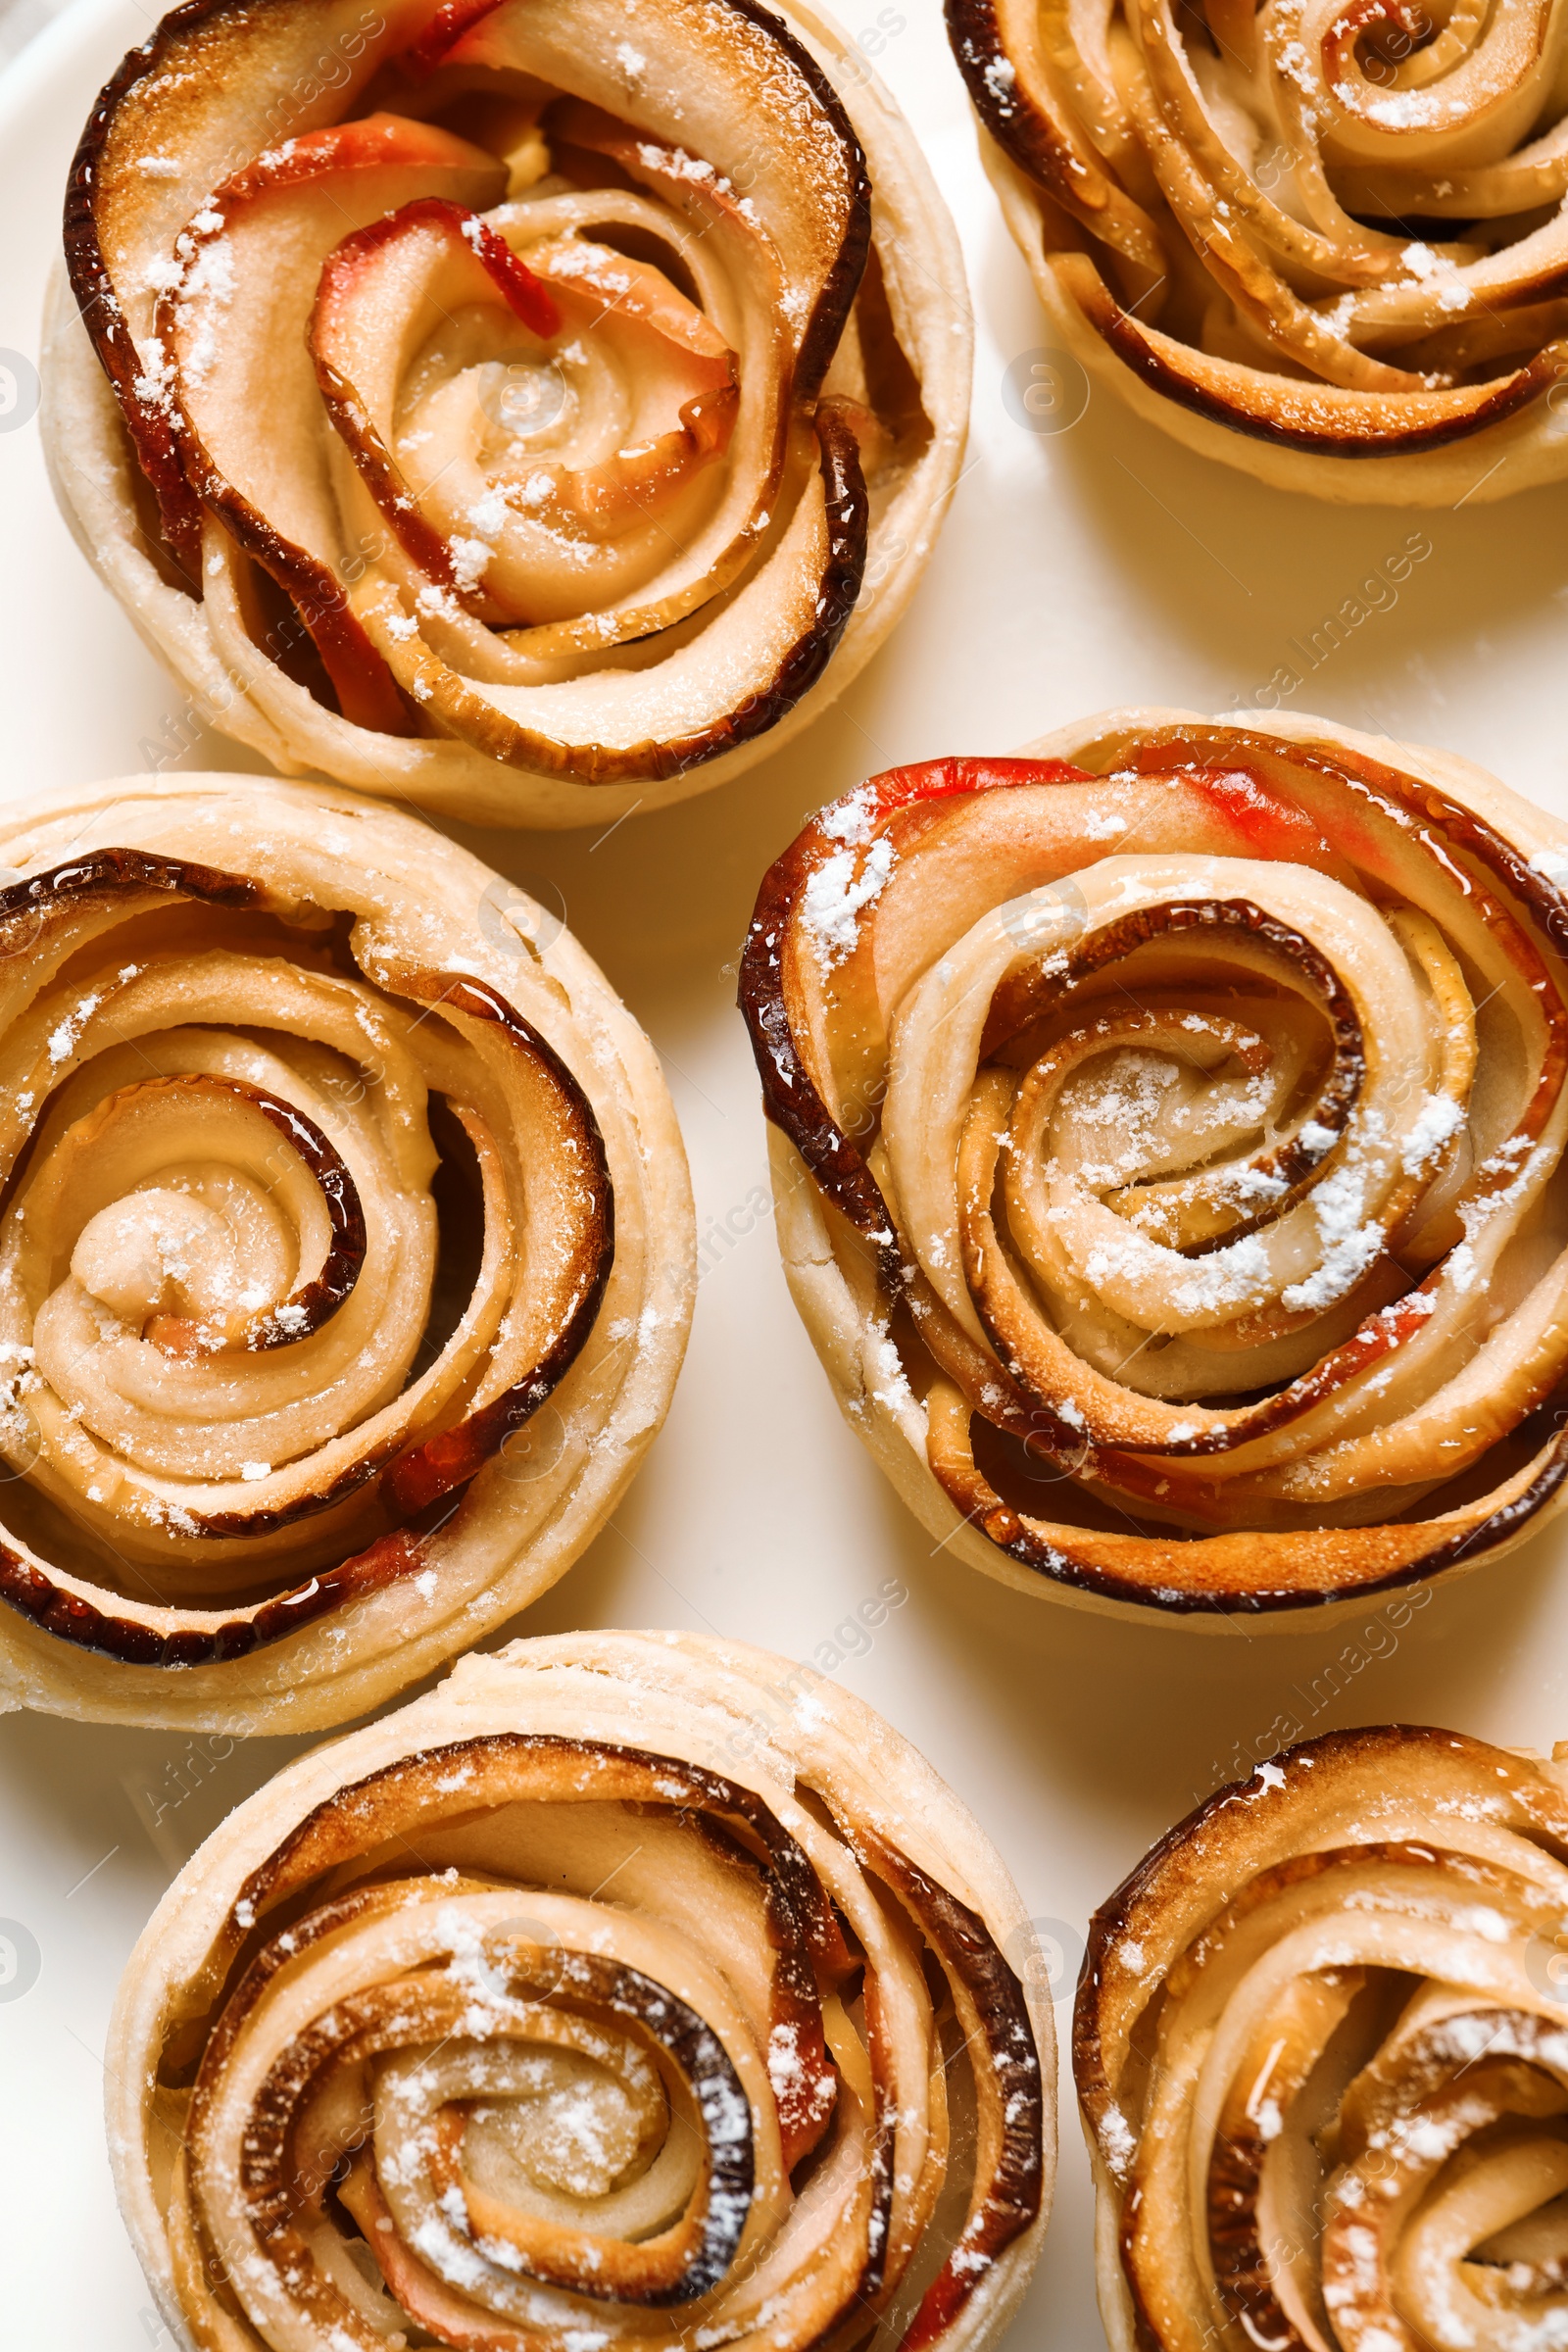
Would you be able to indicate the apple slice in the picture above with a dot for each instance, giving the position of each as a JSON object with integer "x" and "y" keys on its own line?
{"x": 414, "y": 319}
{"x": 435, "y": 44}
{"x": 237, "y": 292}
{"x": 207, "y": 86}
{"x": 718, "y": 237}
{"x": 754, "y": 660}
{"x": 728, "y": 100}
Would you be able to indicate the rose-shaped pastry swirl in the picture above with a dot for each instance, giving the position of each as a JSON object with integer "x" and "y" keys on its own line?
{"x": 344, "y": 1252}
{"x": 1322, "y": 2050}
{"x": 1174, "y": 1130}
{"x": 1302, "y": 235}
{"x": 628, "y": 1991}
{"x": 518, "y": 403}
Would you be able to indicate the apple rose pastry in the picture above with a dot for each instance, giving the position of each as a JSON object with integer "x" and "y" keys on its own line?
{"x": 345, "y": 1254}
{"x": 1322, "y": 2053}
{"x": 625, "y": 1991}
{"x": 537, "y": 407}
{"x": 1168, "y": 1140}
{"x": 1299, "y": 236}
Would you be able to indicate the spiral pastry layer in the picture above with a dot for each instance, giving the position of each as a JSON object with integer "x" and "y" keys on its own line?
{"x": 540, "y": 406}
{"x": 1168, "y": 1139}
{"x": 1321, "y": 2044}
{"x": 345, "y": 1252}
{"x": 1299, "y": 236}
{"x": 625, "y": 1992}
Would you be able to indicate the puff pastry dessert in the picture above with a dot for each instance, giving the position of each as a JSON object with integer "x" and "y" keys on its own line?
{"x": 1320, "y": 2044}
{"x": 1167, "y": 1140}
{"x": 345, "y": 1252}
{"x": 537, "y": 407}
{"x": 1323, "y": 243}
{"x": 631, "y": 1990}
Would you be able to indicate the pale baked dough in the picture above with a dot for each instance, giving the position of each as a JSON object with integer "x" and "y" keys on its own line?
{"x": 581, "y": 484}
{"x": 1251, "y": 1279}
{"x": 347, "y": 1262}
{"x": 680, "y": 1920}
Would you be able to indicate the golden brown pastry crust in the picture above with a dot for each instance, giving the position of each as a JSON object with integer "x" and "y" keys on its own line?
{"x": 1320, "y": 2050}
{"x": 1168, "y": 1138}
{"x": 345, "y": 1255}
{"x": 630, "y": 1984}
{"x": 538, "y": 410}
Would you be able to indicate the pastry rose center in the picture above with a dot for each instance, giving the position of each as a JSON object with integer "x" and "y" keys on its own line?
{"x": 577, "y": 2132}
{"x": 166, "y": 1252}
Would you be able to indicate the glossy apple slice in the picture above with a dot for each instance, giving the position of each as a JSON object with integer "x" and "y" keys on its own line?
{"x": 205, "y": 87}
{"x": 239, "y": 290}
{"x": 717, "y": 239}
{"x": 441, "y": 36}
{"x": 1331, "y": 419}
{"x": 414, "y": 315}
{"x": 740, "y": 107}
{"x": 756, "y": 659}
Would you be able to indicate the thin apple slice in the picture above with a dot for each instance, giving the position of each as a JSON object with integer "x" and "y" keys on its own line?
{"x": 205, "y": 87}
{"x": 236, "y": 297}
{"x": 1331, "y": 419}
{"x": 738, "y": 103}
{"x": 756, "y": 657}
{"x": 441, "y": 36}
{"x": 415, "y": 316}
{"x": 719, "y": 241}
{"x": 565, "y": 1236}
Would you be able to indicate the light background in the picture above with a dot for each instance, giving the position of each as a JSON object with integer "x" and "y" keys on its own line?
{"x": 1097, "y": 566}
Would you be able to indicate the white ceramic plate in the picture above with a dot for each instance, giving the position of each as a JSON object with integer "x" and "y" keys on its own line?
{"x": 1091, "y": 566}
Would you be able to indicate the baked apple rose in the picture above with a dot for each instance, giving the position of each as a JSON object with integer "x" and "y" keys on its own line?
{"x": 1298, "y": 237}
{"x": 538, "y": 407}
{"x": 624, "y": 1991}
{"x": 345, "y": 1252}
{"x": 1167, "y": 1140}
{"x": 1322, "y": 2049}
